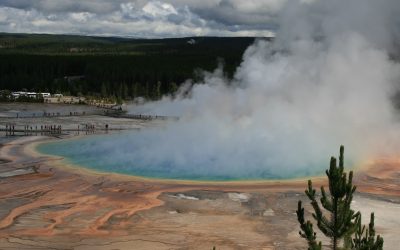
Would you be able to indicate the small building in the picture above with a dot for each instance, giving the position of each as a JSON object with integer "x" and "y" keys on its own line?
{"x": 18, "y": 94}
{"x": 31, "y": 94}
{"x": 15, "y": 94}
{"x": 44, "y": 95}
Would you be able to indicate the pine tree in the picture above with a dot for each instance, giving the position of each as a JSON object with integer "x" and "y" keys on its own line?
{"x": 157, "y": 91}
{"x": 125, "y": 91}
{"x": 134, "y": 90}
{"x": 173, "y": 87}
{"x": 103, "y": 90}
{"x": 342, "y": 221}
{"x": 364, "y": 239}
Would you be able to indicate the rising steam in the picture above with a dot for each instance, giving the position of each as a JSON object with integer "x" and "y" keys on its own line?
{"x": 327, "y": 79}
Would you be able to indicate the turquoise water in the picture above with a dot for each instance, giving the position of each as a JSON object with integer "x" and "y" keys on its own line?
{"x": 139, "y": 154}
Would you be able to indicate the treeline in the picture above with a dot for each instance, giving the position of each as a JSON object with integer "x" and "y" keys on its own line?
{"x": 158, "y": 67}
{"x": 123, "y": 76}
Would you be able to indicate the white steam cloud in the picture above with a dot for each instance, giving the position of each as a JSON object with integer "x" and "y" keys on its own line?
{"x": 327, "y": 80}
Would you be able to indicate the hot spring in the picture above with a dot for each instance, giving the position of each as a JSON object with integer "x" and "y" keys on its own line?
{"x": 110, "y": 153}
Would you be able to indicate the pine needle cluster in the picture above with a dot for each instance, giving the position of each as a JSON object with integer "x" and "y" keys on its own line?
{"x": 337, "y": 221}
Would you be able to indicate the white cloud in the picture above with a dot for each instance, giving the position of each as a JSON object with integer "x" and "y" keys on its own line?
{"x": 174, "y": 18}
{"x": 158, "y": 9}
{"x": 81, "y": 16}
{"x": 128, "y": 9}
{"x": 138, "y": 18}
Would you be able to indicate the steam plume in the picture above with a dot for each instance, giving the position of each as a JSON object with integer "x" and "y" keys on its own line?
{"x": 327, "y": 79}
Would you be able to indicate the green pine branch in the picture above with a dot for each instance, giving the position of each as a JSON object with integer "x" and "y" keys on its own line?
{"x": 307, "y": 231}
{"x": 338, "y": 221}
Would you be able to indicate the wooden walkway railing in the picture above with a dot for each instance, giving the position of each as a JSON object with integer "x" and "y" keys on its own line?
{"x": 142, "y": 117}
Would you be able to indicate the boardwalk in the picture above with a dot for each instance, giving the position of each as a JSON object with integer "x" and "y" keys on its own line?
{"x": 64, "y": 121}
{"x": 105, "y": 112}
{"x": 142, "y": 117}
{"x": 55, "y": 114}
{"x": 26, "y": 130}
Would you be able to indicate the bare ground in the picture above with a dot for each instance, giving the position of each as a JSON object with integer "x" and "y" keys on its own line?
{"x": 61, "y": 207}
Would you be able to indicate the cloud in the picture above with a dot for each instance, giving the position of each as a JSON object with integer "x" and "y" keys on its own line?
{"x": 172, "y": 18}
{"x": 62, "y": 6}
{"x": 158, "y": 9}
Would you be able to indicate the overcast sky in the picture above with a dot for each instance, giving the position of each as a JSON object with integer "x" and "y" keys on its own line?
{"x": 140, "y": 18}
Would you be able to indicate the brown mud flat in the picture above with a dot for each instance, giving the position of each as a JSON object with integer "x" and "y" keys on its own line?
{"x": 61, "y": 207}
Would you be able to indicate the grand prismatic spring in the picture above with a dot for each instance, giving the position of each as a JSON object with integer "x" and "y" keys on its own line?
{"x": 108, "y": 153}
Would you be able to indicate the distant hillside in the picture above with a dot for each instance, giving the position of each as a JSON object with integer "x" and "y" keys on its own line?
{"x": 111, "y": 66}
{"x": 88, "y": 45}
